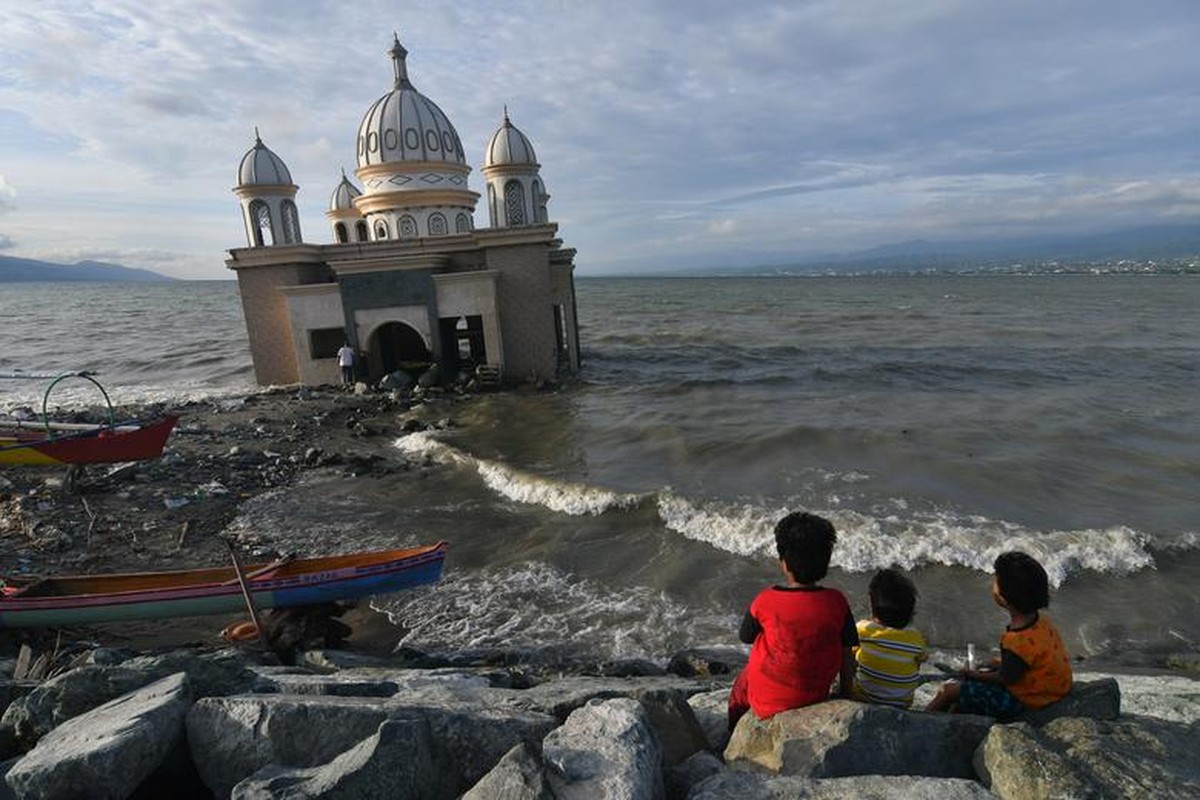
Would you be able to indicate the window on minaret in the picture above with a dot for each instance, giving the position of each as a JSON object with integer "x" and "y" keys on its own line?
{"x": 381, "y": 230}
{"x": 264, "y": 234}
{"x": 462, "y": 224}
{"x": 514, "y": 203}
{"x": 339, "y": 231}
{"x": 360, "y": 230}
{"x": 408, "y": 227}
{"x": 291, "y": 222}
{"x": 437, "y": 225}
{"x": 539, "y": 202}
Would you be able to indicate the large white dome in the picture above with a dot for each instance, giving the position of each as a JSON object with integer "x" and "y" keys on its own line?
{"x": 509, "y": 146}
{"x": 261, "y": 167}
{"x": 405, "y": 125}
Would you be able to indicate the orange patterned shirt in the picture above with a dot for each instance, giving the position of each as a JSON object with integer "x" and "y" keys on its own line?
{"x": 1049, "y": 675}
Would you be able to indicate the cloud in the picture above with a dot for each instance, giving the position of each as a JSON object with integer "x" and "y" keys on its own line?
{"x": 6, "y": 242}
{"x": 810, "y": 125}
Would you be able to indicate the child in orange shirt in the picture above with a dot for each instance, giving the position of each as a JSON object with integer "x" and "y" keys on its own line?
{"x": 1033, "y": 669}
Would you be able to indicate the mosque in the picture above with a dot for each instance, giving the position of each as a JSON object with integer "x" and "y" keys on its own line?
{"x": 408, "y": 281}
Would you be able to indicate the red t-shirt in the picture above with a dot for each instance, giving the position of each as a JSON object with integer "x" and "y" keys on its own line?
{"x": 799, "y": 652}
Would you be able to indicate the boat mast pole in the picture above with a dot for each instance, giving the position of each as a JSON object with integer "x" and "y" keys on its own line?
{"x": 241, "y": 577}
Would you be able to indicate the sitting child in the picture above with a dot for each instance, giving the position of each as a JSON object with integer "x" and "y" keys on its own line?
{"x": 889, "y": 654}
{"x": 1033, "y": 669}
{"x": 802, "y": 633}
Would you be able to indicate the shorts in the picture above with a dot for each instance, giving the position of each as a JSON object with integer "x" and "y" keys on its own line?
{"x": 991, "y": 699}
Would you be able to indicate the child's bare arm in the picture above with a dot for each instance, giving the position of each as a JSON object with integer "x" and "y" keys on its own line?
{"x": 846, "y": 677}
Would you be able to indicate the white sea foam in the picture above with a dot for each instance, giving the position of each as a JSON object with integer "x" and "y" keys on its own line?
{"x": 867, "y": 542}
{"x": 520, "y": 486}
{"x": 535, "y": 607}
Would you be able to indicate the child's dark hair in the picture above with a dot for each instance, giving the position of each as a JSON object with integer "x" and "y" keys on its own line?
{"x": 805, "y": 544}
{"x": 893, "y": 598}
{"x": 1022, "y": 581}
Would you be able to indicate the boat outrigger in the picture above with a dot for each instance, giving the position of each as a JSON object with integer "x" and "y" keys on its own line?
{"x": 284, "y": 583}
{"x": 49, "y": 443}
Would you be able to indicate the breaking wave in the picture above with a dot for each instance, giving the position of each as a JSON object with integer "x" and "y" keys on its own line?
{"x": 894, "y": 536}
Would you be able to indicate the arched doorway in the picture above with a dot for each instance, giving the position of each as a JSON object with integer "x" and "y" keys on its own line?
{"x": 397, "y": 346}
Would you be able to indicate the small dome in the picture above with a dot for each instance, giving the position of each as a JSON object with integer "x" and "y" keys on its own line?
{"x": 509, "y": 146}
{"x": 405, "y": 125}
{"x": 343, "y": 196}
{"x": 263, "y": 167}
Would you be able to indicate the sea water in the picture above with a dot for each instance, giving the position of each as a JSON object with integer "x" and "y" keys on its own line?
{"x": 937, "y": 420}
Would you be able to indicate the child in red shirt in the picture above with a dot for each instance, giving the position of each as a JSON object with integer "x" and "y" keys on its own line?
{"x": 802, "y": 634}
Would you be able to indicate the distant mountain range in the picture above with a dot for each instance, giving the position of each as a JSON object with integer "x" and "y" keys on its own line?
{"x": 1144, "y": 244}
{"x": 26, "y": 270}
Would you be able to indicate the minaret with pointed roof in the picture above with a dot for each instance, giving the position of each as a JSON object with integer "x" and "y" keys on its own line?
{"x": 515, "y": 192}
{"x": 268, "y": 197}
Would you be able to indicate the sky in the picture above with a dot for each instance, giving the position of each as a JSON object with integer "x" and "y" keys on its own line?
{"x": 675, "y": 134}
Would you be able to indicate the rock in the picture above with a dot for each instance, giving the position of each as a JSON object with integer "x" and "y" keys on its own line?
{"x": 394, "y": 762}
{"x": 1132, "y": 757}
{"x": 430, "y": 377}
{"x": 606, "y": 749}
{"x": 705, "y": 661}
{"x": 1013, "y": 763}
{"x": 698, "y": 767}
{"x": 109, "y": 750}
{"x": 344, "y": 685}
{"x": 738, "y": 785}
{"x": 630, "y": 668}
{"x": 231, "y": 738}
{"x": 675, "y": 725}
{"x": 518, "y": 776}
{"x": 84, "y": 688}
{"x": 565, "y": 695}
{"x": 1187, "y": 662}
{"x": 1096, "y": 699}
{"x": 398, "y": 380}
{"x": 840, "y": 738}
{"x": 712, "y": 714}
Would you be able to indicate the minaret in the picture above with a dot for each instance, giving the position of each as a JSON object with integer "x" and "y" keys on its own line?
{"x": 516, "y": 194}
{"x": 268, "y": 198}
{"x": 348, "y": 223}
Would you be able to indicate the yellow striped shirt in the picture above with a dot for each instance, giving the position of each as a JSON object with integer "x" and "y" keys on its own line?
{"x": 888, "y": 663}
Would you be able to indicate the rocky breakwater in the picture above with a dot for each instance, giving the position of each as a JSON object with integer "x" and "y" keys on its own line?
{"x": 229, "y": 723}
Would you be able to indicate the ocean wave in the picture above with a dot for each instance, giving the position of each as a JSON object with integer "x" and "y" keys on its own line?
{"x": 538, "y": 608}
{"x": 891, "y": 534}
{"x": 575, "y": 499}
{"x": 868, "y": 542}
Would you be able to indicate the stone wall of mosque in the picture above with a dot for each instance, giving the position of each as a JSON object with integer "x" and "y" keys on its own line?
{"x": 526, "y": 303}
{"x": 267, "y": 321}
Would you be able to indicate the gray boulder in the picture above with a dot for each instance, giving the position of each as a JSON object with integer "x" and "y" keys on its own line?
{"x": 1095, "y": 699}
{"x": 231, "y": 738}
{"x": 520, "y": 775}
{"x": 605, "y": 751}
{"x": 563, "y": 696}
{"x": 82, "y": 689}
{"x": 679, "y": 779}
{"x": 741, "y": 785}
{"x": 1133, "y": 757}
{"x": 840, "y": 738}
{"x": 675, "y": 725}
{"x": 712, "y": 713}
{"x": 708, "y": 661}
{"x": 108, "y": 751}
{"x": 394, "y": 762}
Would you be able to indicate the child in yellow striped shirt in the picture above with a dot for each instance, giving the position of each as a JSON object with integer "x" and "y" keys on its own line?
{"x": 890, "y": 653}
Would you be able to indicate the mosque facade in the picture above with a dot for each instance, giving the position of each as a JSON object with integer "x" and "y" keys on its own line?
{"x": 407, "y": 281}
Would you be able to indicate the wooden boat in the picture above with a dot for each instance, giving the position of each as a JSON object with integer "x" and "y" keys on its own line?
{"x": 74, "y": 600}
{"x": 51, "y": 444}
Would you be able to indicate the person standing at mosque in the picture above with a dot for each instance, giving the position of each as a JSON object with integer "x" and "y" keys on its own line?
{"x": 345, "y": 357}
